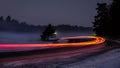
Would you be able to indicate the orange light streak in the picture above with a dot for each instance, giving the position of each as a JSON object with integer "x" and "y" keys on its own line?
{"x": 97, "y": 40}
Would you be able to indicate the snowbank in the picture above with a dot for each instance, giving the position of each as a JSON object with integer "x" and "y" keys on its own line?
{"x": 110, "y": 59}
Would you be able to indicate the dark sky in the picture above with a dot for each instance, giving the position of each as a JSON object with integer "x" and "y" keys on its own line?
{"x": 74, "y": 12}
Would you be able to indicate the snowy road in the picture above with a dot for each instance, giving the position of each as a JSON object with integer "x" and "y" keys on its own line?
{"x": 91, "y": 57}
{"x": 57, "y": 56}
{"x": 60, "y": 56}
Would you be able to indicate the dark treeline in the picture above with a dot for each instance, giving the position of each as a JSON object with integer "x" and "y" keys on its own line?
{"x": 9, "y": 24}
{"x": 107, "y": 20}
{"x": 72, "y": 28}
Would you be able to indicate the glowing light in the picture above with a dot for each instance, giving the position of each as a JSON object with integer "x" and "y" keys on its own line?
{"x": 56, "y": 33}
{"x": 96, "y": 40}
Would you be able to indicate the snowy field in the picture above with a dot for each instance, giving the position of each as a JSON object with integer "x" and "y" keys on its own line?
{"x": 12, "y": 37}
{"x": 109, "y": 59}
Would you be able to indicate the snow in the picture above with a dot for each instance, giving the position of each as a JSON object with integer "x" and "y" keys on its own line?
{"x": 12, "y": 37}
{"x": 110, "y": 59}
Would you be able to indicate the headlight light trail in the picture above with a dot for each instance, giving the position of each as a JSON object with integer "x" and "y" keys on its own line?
{"x": 96, "y": 40}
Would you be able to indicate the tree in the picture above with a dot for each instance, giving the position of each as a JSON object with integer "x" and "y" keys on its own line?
{"x": 1, "y": 19}
{"x": 48, "y": 32}
{"x": 107, "y": 21}
{"x": 15, "y": 22}
{"x": 100, "y": 25}
{"x": 115, "y": 17}
{"x": 8, "y": 19}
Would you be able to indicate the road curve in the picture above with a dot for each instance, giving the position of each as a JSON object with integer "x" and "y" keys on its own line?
{"x": 96, "y": 40}
{"x": 96, "y": 44}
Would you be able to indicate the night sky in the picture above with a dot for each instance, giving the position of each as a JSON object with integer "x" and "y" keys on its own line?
{"x": 42, "y": 12}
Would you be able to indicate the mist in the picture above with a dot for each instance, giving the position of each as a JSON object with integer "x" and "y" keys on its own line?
{"x": 24, "y": 37}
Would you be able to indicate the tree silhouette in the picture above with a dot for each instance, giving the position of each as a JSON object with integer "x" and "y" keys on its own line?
{"x": 47, "y": 33}
{"x": 11, "y": 24}
{"x": 100, "y": 25}
{"x": 15, "y": 22}
{"x": 1, "y": 19}
{"x": 115, "y": 17}
{"x": 107, "y": 21}
{"x": 8, "y": 19}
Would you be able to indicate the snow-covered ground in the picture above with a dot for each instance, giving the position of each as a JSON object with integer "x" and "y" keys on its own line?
{"x": 110, "y": 59}
{"x": 12, "y": 37}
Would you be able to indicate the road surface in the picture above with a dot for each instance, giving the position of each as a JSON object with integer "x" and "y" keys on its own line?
{"x": 58, "y": 52}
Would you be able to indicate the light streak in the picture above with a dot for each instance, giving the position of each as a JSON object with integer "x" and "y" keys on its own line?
{"x": 96, "y": 40}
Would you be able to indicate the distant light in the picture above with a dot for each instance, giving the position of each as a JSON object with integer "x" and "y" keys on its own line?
{"x": 56, "y": 33}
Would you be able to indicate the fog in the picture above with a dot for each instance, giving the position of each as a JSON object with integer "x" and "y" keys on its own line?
{"x": 13, "y": 37}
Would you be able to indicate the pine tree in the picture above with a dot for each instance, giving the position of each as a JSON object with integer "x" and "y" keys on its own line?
{"x": 115, "y": 17}
{"x": 48, "y": 32}
{"x": 101, "y": 19}
{"x": 8, "y": 19}
{"x": 1, "y": 19}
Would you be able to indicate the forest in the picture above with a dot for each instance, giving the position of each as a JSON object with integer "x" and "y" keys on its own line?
{"x": 13, "y": 25}
{"x": 107, "y": 20}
